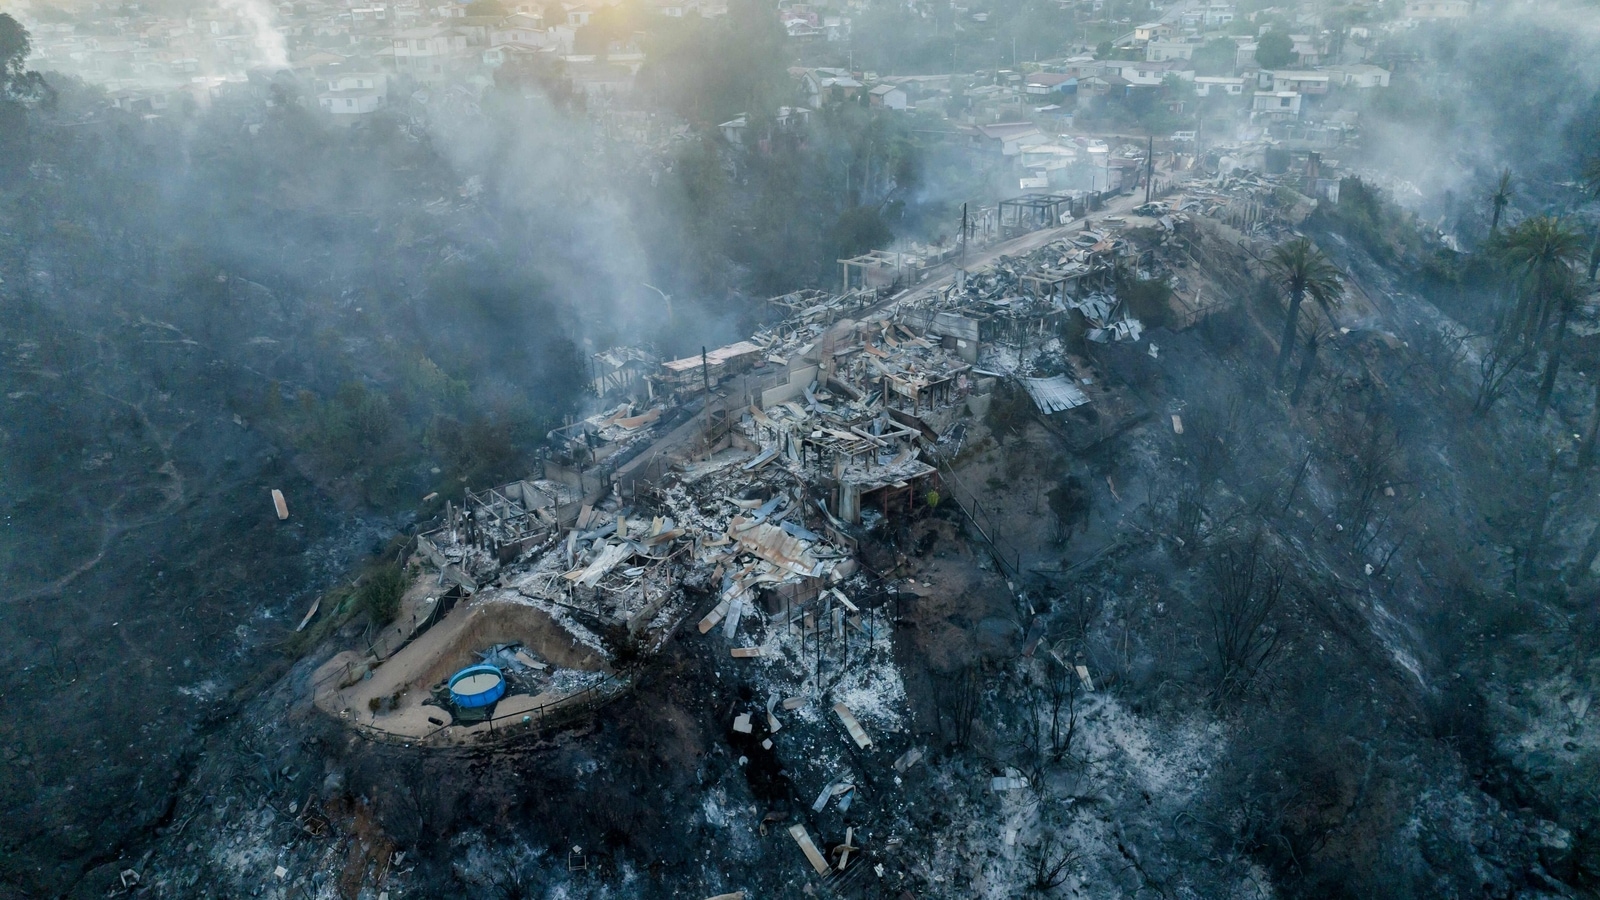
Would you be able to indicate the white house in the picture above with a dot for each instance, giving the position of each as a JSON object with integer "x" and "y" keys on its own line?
{"x": 351, "y": 94}
{"x": 675, "y": 9}
{"x": 1307, "y": 48}
{"x": 1219, "y": 14}
{"x": 578, "y": 14}
{"x": 424, "y": 51}
{"x": 1161, "y": 51}
{"x": 521, "y": 30}
{"x": 1010, "y": 137}
{"x": 1432, "y": 10}
{"x": 1299, "y": 81}
{"x": 1360, "y": 76}
{"x": 1206, "y": 85}
{"x": 1043, "y": 84}
{"x": 1151, "y": 32}
{"x": 1275, "y": 104}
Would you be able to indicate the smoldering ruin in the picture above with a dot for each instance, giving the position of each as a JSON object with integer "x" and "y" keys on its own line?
{"x": 816, "y": 450}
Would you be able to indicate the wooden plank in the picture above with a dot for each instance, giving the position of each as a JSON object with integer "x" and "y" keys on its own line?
{"x": 713, "y": 617}
{"x": 280, "y": 504}
{"x": 852, "y": 726}
{"x": 745, "y": 652}
{"x": 813, "y": 855}
{"x": 309, "y": 613}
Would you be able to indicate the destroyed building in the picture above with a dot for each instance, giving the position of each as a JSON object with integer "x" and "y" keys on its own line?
{"x": 736, "y": 485}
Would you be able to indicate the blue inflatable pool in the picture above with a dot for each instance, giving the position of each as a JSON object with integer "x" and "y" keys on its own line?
{"x": 477, "y": 686}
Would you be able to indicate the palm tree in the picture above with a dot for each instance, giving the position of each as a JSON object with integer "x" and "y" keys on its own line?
{"x": 1501, "y": 198}
{"x": 1539, "y": 254}
{"x": 1302, "y": 270}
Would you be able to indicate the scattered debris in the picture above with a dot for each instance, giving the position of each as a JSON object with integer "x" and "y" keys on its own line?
{"x": 798, "y": 832}
{"x": 844, "y": 850}
{"x": 852, "y": 726}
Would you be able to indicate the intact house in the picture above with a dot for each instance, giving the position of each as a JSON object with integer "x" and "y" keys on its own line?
{"x": 787, "y": 117}
{"x": 1307, "y": 48}
{"x": 1207, "y": 85}
{"x": 1359, "y": 76}
{"x": 350, "y": 94}
{"x": 426, "y": 52}
{"x": 676, "y": 9}
{"x": 824, "y": 85}
{"x": 578, "y": 14}
{"x": 1150, "y": 74}
{"x": 1299, "y": 81}
{"x": 887, "y": 96}
{"x": 522, "y": 31}
{"x": 1008, "y": 137}
{"x": 1161, "y": 51}
{"x": 1432, "y": 10}
{"x": 1152, "y": 32}
{"x": 1272, "y": 104}
{"x": 1047, "y": 84}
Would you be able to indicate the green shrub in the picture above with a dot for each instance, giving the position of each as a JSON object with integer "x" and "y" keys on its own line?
{"x": 380, "y": 593}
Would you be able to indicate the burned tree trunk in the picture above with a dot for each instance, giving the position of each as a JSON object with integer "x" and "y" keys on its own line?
{"x": 1286, "y": 346}
{"x": 1246, "y": 593}
{"x": 1307, "y": 364}
{"x": 1552, "y": 365}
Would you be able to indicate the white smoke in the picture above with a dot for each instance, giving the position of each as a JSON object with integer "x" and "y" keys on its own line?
{"x": 261, "y": 19}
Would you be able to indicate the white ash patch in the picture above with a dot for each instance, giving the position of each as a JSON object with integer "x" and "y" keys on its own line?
{"x": 1164, "y": 761}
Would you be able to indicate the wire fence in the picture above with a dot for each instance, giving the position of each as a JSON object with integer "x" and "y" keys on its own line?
{"x": 984, "y": 520}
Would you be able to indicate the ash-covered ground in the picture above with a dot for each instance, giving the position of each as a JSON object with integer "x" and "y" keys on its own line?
{"x": 1289, "y": 650}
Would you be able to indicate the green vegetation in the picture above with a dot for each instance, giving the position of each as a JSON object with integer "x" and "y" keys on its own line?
{"x": 1301, "y": 271}
{"x": 1275, "y": 50}
{"x": 1149, "y": 299}
{"x": 380, "y": 592}
{"x": 1539, "y": 256}
{"x": 1216, "y": 57}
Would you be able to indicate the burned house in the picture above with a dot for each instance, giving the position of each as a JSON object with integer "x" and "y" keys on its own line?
{"x": 736, "y": 484}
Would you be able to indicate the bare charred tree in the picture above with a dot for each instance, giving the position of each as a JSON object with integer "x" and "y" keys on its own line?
{"x": 1370, "y": 471}
{"x": 1209, "y": 436}
{"x": 1246, "y": 591}
{"x": 1540, "y": 517}
{"x": 959, "y": 700}
{"x": 1061, "y": 691}
{"x": 1050, "y": 863}
{"x": 1083, "y": 608}
{"x": 1505, "y": 355}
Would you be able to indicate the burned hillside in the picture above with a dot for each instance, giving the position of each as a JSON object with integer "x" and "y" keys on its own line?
{"x": 1022, "y": 578}
{"x": 731, "y": 451}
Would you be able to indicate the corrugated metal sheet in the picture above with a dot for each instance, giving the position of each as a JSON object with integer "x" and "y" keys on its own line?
{"x": 1053, "y": 395}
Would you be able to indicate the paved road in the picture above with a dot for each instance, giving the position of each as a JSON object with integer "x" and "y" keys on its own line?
{"x": 1166, "y": 17}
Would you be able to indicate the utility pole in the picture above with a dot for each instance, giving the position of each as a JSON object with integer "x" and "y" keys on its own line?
{"x": 963, "y": 259}
{"x": 705, "y": 372}
{"x": 1149, "y": 167}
